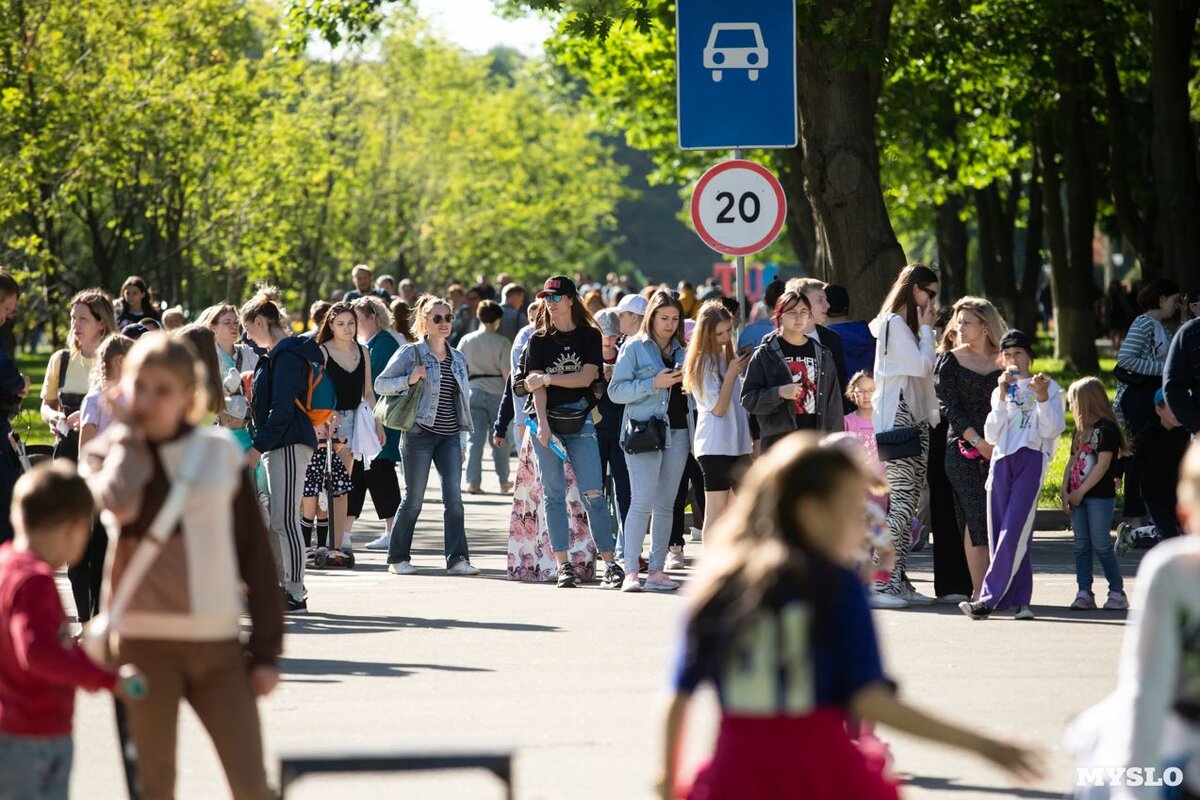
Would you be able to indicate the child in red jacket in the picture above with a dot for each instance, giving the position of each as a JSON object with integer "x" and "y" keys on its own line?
{"x": 40, "y": 663}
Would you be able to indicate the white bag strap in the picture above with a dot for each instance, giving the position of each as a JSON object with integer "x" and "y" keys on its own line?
{"x": 159, "y": 532}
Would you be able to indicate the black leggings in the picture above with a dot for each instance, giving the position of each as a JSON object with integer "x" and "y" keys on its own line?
{"x": 87, "y": 575}
{"x": 692, "y": 474}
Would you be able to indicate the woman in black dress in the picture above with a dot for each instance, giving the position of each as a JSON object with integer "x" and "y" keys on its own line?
{"x": 964, "y": 379}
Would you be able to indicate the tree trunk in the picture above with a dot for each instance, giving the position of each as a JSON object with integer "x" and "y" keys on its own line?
{"x": 953, "y": 242}
{"x": 996, "y": 248}
{"x": 1134, "y": 226}
{"x": 801, "y": 227}
{"x": 1031, "y": 269}
{"x": 1074, "y": 285}
{"x": 837, "y": 103}
{"x": 1173, "y": 24}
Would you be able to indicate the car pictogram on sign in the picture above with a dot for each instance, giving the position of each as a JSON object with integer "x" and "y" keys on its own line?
{"x": 735, "y": 45}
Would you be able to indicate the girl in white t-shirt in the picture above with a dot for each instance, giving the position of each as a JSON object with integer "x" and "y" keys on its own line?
{"x": 94, "y": 414}
{"x": 712, "y": 374}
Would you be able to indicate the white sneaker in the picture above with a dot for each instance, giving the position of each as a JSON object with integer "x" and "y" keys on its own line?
{"x": 631, "y": 583}
{"x": 403, "y": 568}
{"x": 1117, "y": 601}
{"x": 382, "y": 543}
{"x": 914, "y": 597}
{"x": 675, "y": 560}
{"x": 659, "y": 582}
{"x": 463, "y": 567}
{"x": 1024, "y": 612}
{"x": 888, "y": 600}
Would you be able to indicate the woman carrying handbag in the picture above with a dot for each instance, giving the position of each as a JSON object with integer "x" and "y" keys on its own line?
{"x": 905, "y": 408}
{"x": 656, "y": 434}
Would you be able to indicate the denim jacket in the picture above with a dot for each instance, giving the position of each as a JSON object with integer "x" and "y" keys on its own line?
{"x": 394, "y": 381}
{"x": 632, "y": 381}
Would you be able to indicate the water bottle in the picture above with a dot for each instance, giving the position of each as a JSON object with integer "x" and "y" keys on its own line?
{"x": 1013, "y": 373}
{"x": 133, "y": 682}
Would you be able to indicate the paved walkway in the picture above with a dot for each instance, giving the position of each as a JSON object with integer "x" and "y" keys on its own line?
{"x": 573, "y": 681}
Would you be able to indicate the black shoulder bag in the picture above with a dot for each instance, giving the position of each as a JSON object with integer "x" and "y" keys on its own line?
{"x": 898, "y": 443}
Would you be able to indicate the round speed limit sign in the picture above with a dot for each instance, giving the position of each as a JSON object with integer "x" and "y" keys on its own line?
{"x": 738, "y": 208}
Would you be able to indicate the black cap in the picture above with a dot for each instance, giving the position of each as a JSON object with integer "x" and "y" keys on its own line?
{"x": 559, "y": 284}
{"x": 839, "y": 299}
{"x": 1015, "y": 338}
{"x": 134, "y": 330}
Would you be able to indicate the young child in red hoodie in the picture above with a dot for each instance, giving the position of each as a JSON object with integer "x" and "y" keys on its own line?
{"x": 40, "y": 663}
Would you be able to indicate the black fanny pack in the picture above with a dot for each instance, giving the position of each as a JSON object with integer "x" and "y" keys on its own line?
{"x": 565, "y": 421}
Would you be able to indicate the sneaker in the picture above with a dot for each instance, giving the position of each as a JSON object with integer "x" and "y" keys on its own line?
{"x": 631, "y": 584}
{"x": 1024, "y": 612}
{"x": 1117, "y": 601}
{"x": 382, "y": 543}
{"x": 613, "y": 576}
{"x": 888, "y": 598}
{"x": 675, "y": 559}
{"x": 402, "y": 568}
{"x": 473, "y": 489}
{"x": 506, "y": 488}
{"x": 976, "y": 610}
{"x": 659, "y": 582}
{"x": 918, "y": 537}
{"x": 566, "y": 576}
{"x": 295, "y": 605}
{"x": 914, "y": 598}
{"x": 1124, "y": 539}
{"x": 462, "y": 567}
{"x": 952, "y": 599}
{"x": 1084, "y": 601}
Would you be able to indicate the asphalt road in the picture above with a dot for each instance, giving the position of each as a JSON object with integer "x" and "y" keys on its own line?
{"x": 571, "y": 682}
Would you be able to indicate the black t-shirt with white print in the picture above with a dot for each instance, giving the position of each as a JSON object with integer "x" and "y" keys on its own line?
{"x": 801, "y": 361}
{"x": 559, "y": 353}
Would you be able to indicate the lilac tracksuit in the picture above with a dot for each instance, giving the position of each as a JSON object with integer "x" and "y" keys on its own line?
{"x": 1025, "y": 433}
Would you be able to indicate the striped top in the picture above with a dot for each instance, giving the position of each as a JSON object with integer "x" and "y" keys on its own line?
{"x": 1143, "y": 351}
{"x": 446, "y": 423}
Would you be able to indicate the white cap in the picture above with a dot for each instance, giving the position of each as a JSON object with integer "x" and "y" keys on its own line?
{"x": 634, "y": 304}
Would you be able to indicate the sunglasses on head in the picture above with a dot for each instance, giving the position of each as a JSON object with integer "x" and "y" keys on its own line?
{"x": 440, "y": 319}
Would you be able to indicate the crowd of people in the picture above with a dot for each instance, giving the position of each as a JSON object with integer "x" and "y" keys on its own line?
{"x": 623, "y": 410}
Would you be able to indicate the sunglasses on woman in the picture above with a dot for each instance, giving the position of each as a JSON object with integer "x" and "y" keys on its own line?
{"x": 931, "y": 292}
{"x": 442, "y": 319}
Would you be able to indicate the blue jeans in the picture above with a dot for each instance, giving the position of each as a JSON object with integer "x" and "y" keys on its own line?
{"x": 584, "y": 454}
{"x": 654, "y": 479}
{"x": 484, "y": 406}
{"x": 420, "y": 450}
{"x": 1092, "y": 524}
{"x": 35, "y": 767}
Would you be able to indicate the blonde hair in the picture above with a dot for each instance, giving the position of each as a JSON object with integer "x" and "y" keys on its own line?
{"x": 703, "y": 351}
{"x": 107, "y": 353}
{"x": 804, "y": 285}
{"x": 425, "y": 305}
{"x": 855, "y": 378}
{"x": 100, "y": 306}
{"x": 986, "y": 313}
{"x": 1089, "y": 403}
{"x": 209, "y": 316}
{"x": 160, "y": 350}
{"x": 373, "y": 307}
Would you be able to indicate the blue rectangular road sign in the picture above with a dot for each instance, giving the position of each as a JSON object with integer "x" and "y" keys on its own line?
{"x": 736, "y": 73}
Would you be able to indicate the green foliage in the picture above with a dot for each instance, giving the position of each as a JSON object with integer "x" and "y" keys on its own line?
{"x": 176, "y": 140}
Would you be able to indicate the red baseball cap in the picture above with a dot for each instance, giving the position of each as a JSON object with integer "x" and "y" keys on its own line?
{"x": 559, "y": 284}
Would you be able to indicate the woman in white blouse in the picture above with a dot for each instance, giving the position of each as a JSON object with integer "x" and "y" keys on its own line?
{"x": 904, "y": 398}
{"x": 712, "y": 374}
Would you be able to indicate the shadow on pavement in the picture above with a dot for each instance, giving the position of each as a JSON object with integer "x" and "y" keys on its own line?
{"x": 949, "y": 785}
{"x": 329, "y": 667}
{"x": 318, "y": 622}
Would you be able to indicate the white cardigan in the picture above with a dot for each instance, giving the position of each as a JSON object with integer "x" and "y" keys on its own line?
{"x": 907, "y": 368}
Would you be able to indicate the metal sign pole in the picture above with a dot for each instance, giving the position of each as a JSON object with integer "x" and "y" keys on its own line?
{"x": 739, "y": 276}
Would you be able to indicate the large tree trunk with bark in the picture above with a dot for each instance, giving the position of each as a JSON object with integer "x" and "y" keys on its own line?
{"x": 1031, "y": 269}
{"x": 837, "y": 103}
{"x": 1074, "y": 284}
{"x": 801, "y": 227}
{"x": 996, "y": 246}
{"x": 1174, "y": 141}
{"x": 953, "y": 242}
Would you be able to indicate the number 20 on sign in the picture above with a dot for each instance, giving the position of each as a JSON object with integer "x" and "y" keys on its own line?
{"x": 738, "y": 208}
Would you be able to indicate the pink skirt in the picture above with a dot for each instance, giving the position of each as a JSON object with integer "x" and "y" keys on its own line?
{"x": 789, "y": 758}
